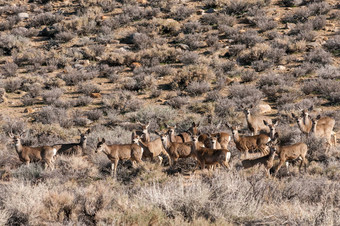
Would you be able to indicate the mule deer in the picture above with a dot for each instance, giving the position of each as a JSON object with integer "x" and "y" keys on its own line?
{"x": 144, "y": 133}
{"x": 182, "y": 137}
{"x": 34, "y": 154}
{"x": 272, "y": 128}
{"x": 289, "y": 153}
{"x": 246, "y": 143}
{"x": 266, "y": 161}
{"x": 211, "y": 157}
{"x": 153, "y": 149}
{"x": 256, "y": 123}
{"x": 73, "y": 148}
{"x": 178, "y": 150}
{"x": 116, "y": 152}
{"x": 323, "y": 128}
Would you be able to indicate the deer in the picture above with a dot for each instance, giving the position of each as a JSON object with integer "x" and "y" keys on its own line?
{"x": 266, "y": 161}
{"x": 152, "y": 149}
{"x": 29, "y": 154}
{"x": 272, "y": 128}
{"x": 256, "y": 123}
{"x": 288, "y": 153}
{"x": 177, "y": 150}
{"x": 183, "y": 137}
{"x": 211, "y": 157}
{"x": 144, "y": 133}
{"x": 246, "y": 143}
{"x": 116, "y": 152}
{"x": 323, "y": 128}
{"x": 77, "y": 149}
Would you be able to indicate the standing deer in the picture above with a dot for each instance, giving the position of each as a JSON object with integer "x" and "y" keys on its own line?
{"x": 266, "y": 161}
{"x": 34, "y": 154}
{"x": 153, "y": 149}
{"x": 73, "y": 148}
{"x": 211, "y": 157}
{"x": 144, "y": 133}
{"x": 116, "y": 152}
{"x": 256, "y": 123}
{"x": 272, "y": 128}
{"x": 323, "y": 128}
{"x": 246, "y": 143}
{"x": 289, "y": 153}
{"x": 182, "y": 137}
{"x": 177, "y": 150}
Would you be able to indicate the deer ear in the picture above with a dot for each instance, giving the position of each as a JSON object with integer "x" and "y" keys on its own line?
{"x": 79, "y": 131}
{"x": 311, "y": 108}
{"x": 103, "y": 140}
{"x": 293, "y": 115}
{"x": 228, "y": 125}
{"x": 198, "y": 124}
{"x": 147, "y": 126}
{"x": 276, "y": 123}
{"x": 157, "y": 133}
{"x": 265, "y": 122}
{"x": 98, "y": 139}
{"x": 251, "y": 106}
{"x": 88, "y": 131}
{"x": 318, "y": 117}
{"x": 193, "y": 124}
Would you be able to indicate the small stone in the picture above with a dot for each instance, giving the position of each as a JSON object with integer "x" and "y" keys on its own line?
{"x": 23, "y": 15}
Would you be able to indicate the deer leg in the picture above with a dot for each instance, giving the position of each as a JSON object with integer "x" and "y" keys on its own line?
{"x": 115, "y": 167}
{"x": 112, "y": 168}
{"x": 278, "y": 167}
{"x": 160, "y": 160}
{"x": 287, "y": 166}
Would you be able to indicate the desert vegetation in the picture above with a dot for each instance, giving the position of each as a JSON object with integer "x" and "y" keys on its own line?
{"x": 121, "y": 71}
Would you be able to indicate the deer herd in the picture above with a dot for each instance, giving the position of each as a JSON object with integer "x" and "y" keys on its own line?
{"x": 208, "y": 149}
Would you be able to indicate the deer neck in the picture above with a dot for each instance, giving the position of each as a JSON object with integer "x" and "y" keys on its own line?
{"x": 146, "y": 136}
{"x": 142, "y": 144}
{"x": 82, "y": 143}
{"x": 172, "y": 137}
{"x": 236, "y": 136}
{"x": 18, "y": 147}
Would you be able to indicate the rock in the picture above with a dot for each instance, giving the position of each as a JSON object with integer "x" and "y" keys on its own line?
{"x": 264, "y": 108}
{"x": 95, "y": 95}
{"x": 281, "y": 68}
{"x": 23, "y": 16}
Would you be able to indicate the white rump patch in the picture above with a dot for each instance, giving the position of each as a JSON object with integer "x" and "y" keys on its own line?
{"x": 229, "y": 139}
{"x": 54, "y": 151}
{"x": 142, "y": 150}
{"x": 227, "y": 158}
{"x": 268, "y": 139}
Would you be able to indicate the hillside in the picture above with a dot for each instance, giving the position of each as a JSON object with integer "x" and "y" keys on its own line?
{"x": 108, "y": 65}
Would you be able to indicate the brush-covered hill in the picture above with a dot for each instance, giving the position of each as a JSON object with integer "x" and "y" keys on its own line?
{"x": 107, "y": 65}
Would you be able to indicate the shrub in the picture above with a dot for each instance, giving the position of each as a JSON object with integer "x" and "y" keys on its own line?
{"x": 245, "y": 94}
{"x": 290, "y": 3}
{"x": 248, "y": 75}
{"x": 181, "y": 13}
{"x": 318, "y": 22}
{"x": 194, "y": 41}
{"x": 299, "y": 15}
{"x": 83, "y": 101}
{"x": 94, "y": 115}
{"x": 88, "y": 88}
{"x": 9, "y": 69}
{"x": 328, "y": 72}
{"x": 74, "y": 76}
{"x": 319, "y": 56}
{"x": 64, "y": 36}
{"x": 12, "y": 85}
{"x": 212, "y": 96}
{"x": 265, "y": 24}
{"x": 189, "y": 58}
{"x": 177, "y": 102}
{"x": 49, "y": 115}
{"x": 226, "y": 108}
{"x": 27, "y": 100}
{"x": 47, "y": 18}
{"x": 319, "y": 8}
{"x": 249, "y": 38}
{"x": 192, "y": 27}
{"x": 239, "y": 7}
{"x": 198, "y": 88}
{"x": 50, "y": 96}
{"x": 15, "y": 126}
{"x": 333, "y": 45}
